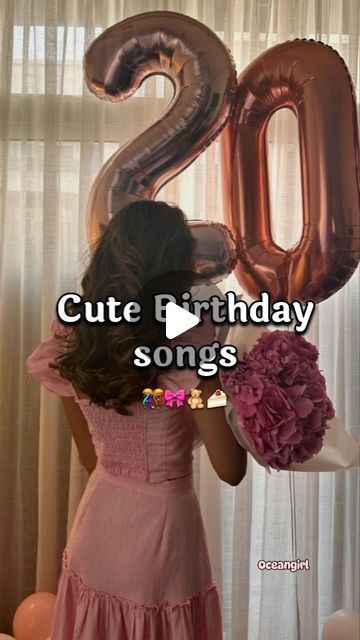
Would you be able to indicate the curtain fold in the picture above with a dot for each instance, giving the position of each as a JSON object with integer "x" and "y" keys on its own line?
{"x": 54, "y": 137}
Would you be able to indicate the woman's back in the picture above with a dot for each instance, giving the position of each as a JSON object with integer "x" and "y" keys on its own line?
{"x": 136, "y": 564}
{"x": 153, "y": 445}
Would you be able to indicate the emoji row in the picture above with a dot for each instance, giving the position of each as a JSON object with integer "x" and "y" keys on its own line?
{"x": 157, "y": 398}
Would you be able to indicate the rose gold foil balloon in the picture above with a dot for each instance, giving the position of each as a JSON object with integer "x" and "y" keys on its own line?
{"x": 202, "y": 72}
{"x": 215, "y": 251}
{"x": 312, "y": 80}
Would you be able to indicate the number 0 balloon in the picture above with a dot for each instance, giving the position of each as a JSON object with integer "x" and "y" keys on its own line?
{"x": 311, "y": 79}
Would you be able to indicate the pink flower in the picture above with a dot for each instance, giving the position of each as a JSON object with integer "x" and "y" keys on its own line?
{"x": 279, "y": 396}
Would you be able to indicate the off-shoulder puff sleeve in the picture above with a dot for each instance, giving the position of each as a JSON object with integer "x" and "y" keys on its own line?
{"x": 38, "y": 363}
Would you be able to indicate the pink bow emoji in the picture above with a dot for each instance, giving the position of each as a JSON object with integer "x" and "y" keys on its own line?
{"x": 179, "y": 396}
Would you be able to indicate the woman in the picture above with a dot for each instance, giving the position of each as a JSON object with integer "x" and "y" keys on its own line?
{"x": 136, "y": 564}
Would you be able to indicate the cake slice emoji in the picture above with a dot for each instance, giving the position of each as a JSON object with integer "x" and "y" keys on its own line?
{"x": 218, "y": 399}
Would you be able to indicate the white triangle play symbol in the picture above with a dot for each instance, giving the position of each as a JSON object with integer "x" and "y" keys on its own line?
{"x": 178, "y": 320}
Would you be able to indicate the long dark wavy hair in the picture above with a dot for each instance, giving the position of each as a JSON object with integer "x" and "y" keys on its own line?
{"x": 147, "y": 248}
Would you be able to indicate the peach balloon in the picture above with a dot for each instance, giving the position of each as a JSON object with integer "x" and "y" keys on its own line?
{"x": 32, "y": 620}
{"x": 344, "y": 624}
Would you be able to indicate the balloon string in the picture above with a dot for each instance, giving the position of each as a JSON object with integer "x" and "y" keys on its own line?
{"x": 294, "y": 549}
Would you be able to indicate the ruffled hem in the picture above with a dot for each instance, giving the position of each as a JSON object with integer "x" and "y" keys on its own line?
{"x": 84, "y": 613}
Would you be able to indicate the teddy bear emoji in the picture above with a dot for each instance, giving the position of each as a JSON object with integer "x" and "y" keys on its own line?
{"x": 195, "y": 400}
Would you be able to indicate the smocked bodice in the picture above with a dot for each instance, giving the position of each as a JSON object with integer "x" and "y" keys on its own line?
{"x": 151, "y": 445}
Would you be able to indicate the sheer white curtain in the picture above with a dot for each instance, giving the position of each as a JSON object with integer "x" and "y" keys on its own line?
{"x": 54, "y": 138}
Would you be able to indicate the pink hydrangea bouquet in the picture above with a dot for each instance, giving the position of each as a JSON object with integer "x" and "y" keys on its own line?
{"x": 279, "y": 397}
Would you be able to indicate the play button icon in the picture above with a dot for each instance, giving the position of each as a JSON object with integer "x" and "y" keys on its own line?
{"x": 178, "y": 320}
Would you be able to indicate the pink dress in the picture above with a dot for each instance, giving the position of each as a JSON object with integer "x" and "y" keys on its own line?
{"x": 136, "y": 564}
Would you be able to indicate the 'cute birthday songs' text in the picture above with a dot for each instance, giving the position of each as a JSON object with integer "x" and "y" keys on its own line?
{"x": 206, "y": 359}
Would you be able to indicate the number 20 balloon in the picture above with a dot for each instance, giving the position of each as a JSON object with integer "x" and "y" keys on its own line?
{"x": 306, "y": 76}
{"x": 312, "y": 80}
